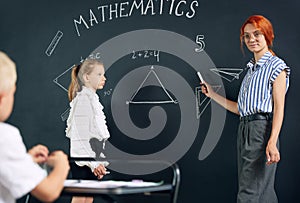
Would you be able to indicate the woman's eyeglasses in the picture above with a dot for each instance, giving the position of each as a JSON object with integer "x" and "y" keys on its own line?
{"x": 256, "y": 34}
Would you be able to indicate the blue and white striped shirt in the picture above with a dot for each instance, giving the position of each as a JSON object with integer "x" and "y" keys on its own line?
{"x": 255, "y": 95}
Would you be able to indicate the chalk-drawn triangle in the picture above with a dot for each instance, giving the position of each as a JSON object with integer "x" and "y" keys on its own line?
{"x": 63, "y": 80}
{"x": 228, "y": 74}
{"x": 170, "y": 100}
{"x": 203, "y": 101}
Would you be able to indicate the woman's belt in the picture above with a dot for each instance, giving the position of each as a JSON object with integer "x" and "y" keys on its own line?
{"x": 257, "y": 116}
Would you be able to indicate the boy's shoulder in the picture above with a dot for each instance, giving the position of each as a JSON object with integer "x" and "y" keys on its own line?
{"x": 10, "y": 137}
{"x": 8, "y": 129}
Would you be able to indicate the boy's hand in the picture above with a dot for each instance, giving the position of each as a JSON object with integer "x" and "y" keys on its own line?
{"x": 39, "y": 153}
{"x": 58, "y": 158}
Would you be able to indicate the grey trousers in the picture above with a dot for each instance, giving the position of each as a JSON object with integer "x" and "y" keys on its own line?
{"x": 255, "y": 178}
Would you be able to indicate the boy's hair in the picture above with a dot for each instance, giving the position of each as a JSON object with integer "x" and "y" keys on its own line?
{"x": 8, "y": 74}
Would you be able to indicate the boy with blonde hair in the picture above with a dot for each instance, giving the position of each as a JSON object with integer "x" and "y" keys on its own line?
{"x": 19, "y": 169}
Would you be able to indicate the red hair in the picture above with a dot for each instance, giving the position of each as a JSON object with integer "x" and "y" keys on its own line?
{"x": 264, "y": 26}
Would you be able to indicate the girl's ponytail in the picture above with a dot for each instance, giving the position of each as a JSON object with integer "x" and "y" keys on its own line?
{"x": 75, "y": 84}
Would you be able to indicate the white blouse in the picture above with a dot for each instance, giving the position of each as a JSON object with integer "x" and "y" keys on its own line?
{"x": 86, "y": 120}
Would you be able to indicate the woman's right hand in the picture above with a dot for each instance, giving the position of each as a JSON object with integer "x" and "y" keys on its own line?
{"x": 207, "y": 89}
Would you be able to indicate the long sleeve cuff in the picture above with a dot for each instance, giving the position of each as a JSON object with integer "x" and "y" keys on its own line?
{"x": 92, "y": 164}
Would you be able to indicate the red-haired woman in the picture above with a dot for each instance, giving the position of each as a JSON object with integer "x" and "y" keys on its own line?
{"x": 260, "y": 106}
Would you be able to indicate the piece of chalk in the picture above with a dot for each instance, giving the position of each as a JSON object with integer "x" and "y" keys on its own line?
{"x": 200, "y": 76}
{"x": 107, "y": 172}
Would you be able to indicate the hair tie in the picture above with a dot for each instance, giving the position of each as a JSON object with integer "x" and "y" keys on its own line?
{"x": 77, "y": 69}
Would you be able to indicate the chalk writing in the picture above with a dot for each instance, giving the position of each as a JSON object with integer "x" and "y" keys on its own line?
{"x": 104, "y": 13}
{"x": 145, "y": 54}
{"x": 199, "y": 40}
{"x": 91, "y": 56}
{"x": 108, "y": 92}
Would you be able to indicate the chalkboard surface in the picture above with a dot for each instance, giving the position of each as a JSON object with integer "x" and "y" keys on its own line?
{"x": 151, "y": 50}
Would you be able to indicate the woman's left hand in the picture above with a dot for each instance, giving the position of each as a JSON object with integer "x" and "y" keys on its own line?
{"x": 272, "y": 153}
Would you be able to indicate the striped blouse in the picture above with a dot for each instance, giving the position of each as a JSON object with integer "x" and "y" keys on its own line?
{"x": 255, "y": 94}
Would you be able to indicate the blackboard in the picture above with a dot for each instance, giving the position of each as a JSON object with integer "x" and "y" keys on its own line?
{"x": 151, "y": 50}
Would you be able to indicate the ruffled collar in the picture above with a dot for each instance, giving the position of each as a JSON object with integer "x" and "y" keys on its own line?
{"x": 88, "y": 91}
